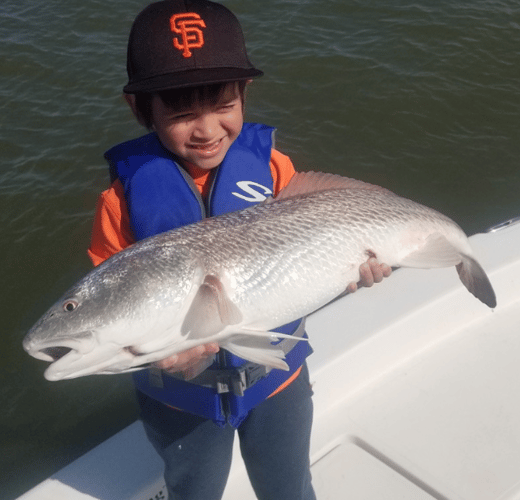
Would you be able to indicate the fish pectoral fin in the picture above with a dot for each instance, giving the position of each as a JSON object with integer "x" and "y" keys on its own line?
{"x": 229, "y": 313}
{"x": 257, "y": 349}
{"x": 210, "y": 311}
{"x": 436, "y": 251}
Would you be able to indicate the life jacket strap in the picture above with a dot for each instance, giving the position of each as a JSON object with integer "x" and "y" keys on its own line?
{"x": 235, "y": 380}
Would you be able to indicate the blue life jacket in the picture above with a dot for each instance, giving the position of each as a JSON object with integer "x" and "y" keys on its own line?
{"x": 160, "y": 196}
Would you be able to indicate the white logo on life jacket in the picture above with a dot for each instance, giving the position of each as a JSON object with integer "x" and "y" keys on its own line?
{"x": 247, "y": 187}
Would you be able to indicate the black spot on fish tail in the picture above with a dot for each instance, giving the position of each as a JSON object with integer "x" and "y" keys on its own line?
{"x": 476, "y": 281}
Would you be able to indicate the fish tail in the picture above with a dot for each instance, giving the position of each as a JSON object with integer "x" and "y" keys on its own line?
{"x": 476, "y": 281}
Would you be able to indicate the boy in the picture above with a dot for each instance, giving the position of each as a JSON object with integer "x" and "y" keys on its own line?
{"x": 188, "y": 70}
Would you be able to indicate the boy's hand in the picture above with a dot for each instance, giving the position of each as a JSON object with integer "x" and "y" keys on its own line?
{"x": 189, "y": 362}
{"x": 370, "y": 272}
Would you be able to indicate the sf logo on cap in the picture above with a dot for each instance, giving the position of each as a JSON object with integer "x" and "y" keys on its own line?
{"x": 188, "y": 26}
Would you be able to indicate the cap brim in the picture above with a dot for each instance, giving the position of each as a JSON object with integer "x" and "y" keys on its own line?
{"x": 191, "y": 79}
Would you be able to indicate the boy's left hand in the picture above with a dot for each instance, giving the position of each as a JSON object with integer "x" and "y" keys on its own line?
{"x": 370, "y": 272}
{"x": 190, "y": 362}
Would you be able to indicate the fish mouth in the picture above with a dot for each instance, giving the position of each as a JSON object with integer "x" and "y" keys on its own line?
{"x": 61, "y": 354}
{"x": 77, "y": 358}
{"x": 51, "y": 353}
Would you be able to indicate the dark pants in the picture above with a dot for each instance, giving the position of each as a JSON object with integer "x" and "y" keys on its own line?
{"x": 274, "y": 441}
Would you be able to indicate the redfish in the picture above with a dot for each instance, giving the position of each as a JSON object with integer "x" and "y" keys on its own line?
{"x": 231, "y": 279}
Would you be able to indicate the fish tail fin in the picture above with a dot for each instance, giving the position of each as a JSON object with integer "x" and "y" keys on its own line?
{"x": 476, "y": 281}
{"x": 436, "y": 251}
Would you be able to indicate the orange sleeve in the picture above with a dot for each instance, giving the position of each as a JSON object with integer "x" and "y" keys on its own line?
{"x": 111, "y": 232}
{"x": 282, "y": 170}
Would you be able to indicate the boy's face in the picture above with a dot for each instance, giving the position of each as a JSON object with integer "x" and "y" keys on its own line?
{"x": 202, "y": 134}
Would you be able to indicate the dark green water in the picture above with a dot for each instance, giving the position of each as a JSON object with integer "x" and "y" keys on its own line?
{"x": 422, "y": 97}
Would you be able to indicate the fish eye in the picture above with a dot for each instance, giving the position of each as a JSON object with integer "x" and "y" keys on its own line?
{"x": 70, "y": 305}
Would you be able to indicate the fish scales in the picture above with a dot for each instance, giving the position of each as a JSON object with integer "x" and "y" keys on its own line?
{"x": 317, "y": 239}
{"x": 242, "y": 274}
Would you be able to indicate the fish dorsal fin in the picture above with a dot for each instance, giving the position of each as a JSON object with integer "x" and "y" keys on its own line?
{"x": 312, "y": 182}
{"x": 210, "y": 311}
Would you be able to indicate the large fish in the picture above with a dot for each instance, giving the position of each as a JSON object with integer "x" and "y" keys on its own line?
{"x": 230, "y": 279}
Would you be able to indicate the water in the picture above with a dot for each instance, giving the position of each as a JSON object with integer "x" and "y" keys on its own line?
{"x": 422, "y": 97}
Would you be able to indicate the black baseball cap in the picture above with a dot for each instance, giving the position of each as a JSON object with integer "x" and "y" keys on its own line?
{"x": 185, "y": 43}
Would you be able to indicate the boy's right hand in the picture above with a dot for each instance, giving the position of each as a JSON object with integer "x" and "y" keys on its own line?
{"x": 188, "y": 361}
{"x": 370, "y": 272}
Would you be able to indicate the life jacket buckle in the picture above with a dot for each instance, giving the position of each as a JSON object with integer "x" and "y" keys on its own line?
{"x": 240, "y": 379}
